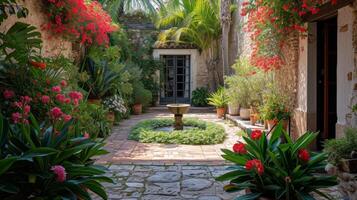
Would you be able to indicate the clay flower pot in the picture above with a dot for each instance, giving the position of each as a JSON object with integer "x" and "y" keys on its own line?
{"x": 233, "y": 109}
{"x": 254, "y": 118}
{"x": 137, "y": 109}
{"x": 271, "y": 123}
{"x": 221, "y": 112}
{"x": 244, "y": 113}
{"x": 111, "y": 117}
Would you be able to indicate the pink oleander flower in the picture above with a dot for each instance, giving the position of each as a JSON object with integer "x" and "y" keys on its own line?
{"x": 56, "y": 89}
{"x": 18, "y": 104}
{"x": 86, "y": 135}
{"x": 25, "y": 99}
{"x": 67, "y": 100}
{"x": 56, "y": 112}
{"x": 75, "y": 95}
{"x": 27, "y": 109}
{"x": 64, "y": 83}
{"x": 45, "y": 99}
{"x": 60, "y": 98}
{"x": 16, "y": 117}
{"x": 66, "y": 118}
{"x": 60, "y": 172}
{"x": 8, "y": 94}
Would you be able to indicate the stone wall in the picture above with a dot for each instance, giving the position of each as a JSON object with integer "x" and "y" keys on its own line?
{"x": 51, "y": 47}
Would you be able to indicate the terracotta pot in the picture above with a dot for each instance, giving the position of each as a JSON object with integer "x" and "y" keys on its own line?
{"x": 137, "y": 109}
{"x": 233, "y": 109}
{"x": 95, "y": 101}
{"x": 221, "y": 112}
{"x": 111, "y": 117}
{"x": 244, "y": 113}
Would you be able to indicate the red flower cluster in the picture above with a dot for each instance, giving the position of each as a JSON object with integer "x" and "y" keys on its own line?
{"x": 87, "y": 22}
{"x": 23, "y": 110}
{"x": 304, "y": 155}
{"x": 269, "y": 22}
{"x": 256, "y": 134}
{"x": 255, "y": 164}
{"x": 239, "y": 148}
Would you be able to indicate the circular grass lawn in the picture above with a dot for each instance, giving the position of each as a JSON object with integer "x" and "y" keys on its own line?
{"x": 195, "y": 132}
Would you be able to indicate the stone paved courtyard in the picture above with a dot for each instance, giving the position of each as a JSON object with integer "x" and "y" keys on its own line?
{"x": 166, "y": 171}
{"x": 124, "y": 151}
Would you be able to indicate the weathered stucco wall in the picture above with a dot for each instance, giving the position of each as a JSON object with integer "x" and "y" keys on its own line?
{"x": 51, "y": 47}
{"x": 345, "y": 65}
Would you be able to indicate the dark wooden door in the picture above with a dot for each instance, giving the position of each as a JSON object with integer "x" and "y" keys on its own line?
{"x": 176, "y": 79}
{"x": 326, "y": 78}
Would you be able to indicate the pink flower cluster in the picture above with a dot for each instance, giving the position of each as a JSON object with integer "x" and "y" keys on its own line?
{"x": 22, "y": 108}
{"x": 60, "y": 173}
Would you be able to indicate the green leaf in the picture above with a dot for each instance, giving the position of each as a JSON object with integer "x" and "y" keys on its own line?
{"x": 39, "y": 152}
{"x": 232, "y": 175}
{"x": 96, "y": 188}
{"x": 236, "y": 158}
{"x": 6, "y": 163}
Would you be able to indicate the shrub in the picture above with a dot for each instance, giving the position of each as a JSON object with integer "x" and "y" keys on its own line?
{"x": 202, "y": 133}
{"x": 199, "y": 97}
{"x": 40, "y": 162}
{"x": 142, "y": 95}
{"x": 274, "y": 105}
{"x": 342, "y": 147}
{"x": 218, "y": 99}
{"x": 271, "y": 169}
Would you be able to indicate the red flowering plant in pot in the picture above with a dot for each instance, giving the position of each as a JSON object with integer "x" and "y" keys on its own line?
{"x": 274, "y": 170}
{"x": 270, "y": 22}
{"x": 81, "y": 20}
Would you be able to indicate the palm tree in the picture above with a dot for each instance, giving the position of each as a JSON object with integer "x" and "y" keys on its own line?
{"x": 195, "y": 22}
{"x": 117, "y": 8}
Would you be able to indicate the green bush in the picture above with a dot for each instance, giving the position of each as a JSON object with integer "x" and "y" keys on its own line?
{"x": 142, "y": 95}
{"x": 343, "y": 147}
{"x": 203, "y": 133}
{"x": 199, "y": 97}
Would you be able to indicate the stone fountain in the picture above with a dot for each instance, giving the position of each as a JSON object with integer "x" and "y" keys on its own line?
{"x": 178, "y": 110}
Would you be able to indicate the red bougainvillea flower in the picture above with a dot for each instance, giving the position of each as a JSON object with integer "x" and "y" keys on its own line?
{"x": 8, "y": 94}
{"x": 56, "y": 112}
{"x": 56, "y": 89}
{"x": 45, "y": 99}
{"x": 239, "y": 148}
{"x": 255, "y": 164}
{"x": 304, "y": 155}
{"x": 39, "y": 65}
{"x": 256, "y": 134}
{"x": 16, "y": 117}
{"x": 60, "y": 173}
{"x": 64, "y": 83}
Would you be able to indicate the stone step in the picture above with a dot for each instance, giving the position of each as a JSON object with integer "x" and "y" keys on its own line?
{"x": 245, "y": 124}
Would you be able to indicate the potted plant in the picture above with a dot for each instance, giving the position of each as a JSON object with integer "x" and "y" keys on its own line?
{"x": 101, "y": 81}
{"x": 115, "y": 104}
{"x": 233, "y": 101}
{"x": 142, "y": 98}
{"x": 274, "y": 107}
{"x": 219, "y": 100}
{"x": 269, "y": 169}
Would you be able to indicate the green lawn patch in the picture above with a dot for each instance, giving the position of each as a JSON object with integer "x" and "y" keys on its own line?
{"x": 202, "y": 132}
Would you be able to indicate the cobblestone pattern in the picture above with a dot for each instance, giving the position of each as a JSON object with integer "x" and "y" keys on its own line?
{"x": 154, "y": 182}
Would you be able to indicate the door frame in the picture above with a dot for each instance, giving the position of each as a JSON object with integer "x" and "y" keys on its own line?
{"x": 194, "y": 63}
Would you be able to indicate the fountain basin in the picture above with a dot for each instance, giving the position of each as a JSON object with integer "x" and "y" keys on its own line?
{"x": 178, "y": 110}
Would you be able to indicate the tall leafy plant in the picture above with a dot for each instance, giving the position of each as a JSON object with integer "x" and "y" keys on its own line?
{"x": 38, "y": 162}
{"x": 275, "y": 170}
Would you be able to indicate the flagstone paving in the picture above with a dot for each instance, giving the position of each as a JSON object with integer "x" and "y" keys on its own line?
{"x": 124, "y": 151}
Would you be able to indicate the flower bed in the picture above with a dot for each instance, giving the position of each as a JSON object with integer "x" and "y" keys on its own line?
{"x": 201, "y": 133}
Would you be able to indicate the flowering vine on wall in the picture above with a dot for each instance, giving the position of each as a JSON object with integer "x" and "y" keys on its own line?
{"x": 81, "y": 20}
{"x": 270, "y": 21}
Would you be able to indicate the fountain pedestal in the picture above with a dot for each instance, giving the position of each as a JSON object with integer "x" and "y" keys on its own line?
{"x": 178, "y": 110}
